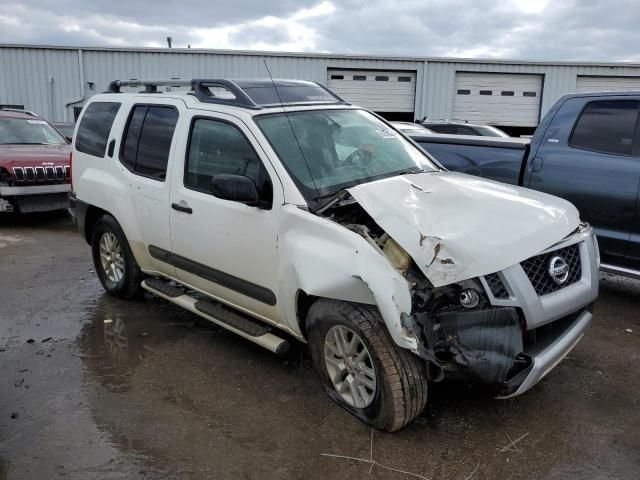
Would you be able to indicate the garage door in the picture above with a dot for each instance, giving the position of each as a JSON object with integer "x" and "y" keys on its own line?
{"x": 376, "y": 90}
{"x": 603, "y": 84}
{"x": 497, "y": 98}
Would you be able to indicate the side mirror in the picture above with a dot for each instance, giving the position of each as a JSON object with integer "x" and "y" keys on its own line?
{"x": 236, "y": 188}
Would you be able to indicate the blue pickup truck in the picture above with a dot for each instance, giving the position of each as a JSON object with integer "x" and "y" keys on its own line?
{"x": 585, "y": 150}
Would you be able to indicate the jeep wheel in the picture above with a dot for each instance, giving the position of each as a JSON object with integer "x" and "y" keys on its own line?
{"x": 363, "y": 370}
{"x": 113, "y": 260}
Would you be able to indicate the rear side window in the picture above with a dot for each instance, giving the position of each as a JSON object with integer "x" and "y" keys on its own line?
{"x": 607, "y": 126}
{"x": 93, "y": 131}
{"x": 147, "y": 140}
{"x": 216, "y": 148}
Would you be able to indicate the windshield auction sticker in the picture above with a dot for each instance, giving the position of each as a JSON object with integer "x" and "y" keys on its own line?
{"x": 386, "y": 133}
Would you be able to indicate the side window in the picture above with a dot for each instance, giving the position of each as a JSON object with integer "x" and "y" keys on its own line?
{"x": 93, "y": 131}
{"x": 215, "y": 148}
{"x": 607, "y": 126}
{"x": 147, "y": 140}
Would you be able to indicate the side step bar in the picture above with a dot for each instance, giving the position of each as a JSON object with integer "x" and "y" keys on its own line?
{"x": 627, "y": 272}
{"x": 242, "y": 325}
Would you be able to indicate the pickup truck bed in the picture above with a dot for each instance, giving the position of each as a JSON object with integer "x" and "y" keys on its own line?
{"x": 586, "y": 150}
{"x": 496, "y": 158}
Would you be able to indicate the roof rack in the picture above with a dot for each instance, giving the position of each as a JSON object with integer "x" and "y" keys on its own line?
{"x": 253, "y": 94}
{"x": 20, "y": 110}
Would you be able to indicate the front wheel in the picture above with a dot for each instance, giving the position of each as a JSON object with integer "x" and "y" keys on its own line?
{"x": 363, "y": 370}
{"x": 113, "y": 260}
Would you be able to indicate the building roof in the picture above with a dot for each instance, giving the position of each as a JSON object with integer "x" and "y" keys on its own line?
{"x": 326, "y": 55}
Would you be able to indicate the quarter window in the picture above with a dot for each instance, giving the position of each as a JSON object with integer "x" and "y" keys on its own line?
{"x": 217, "y": 148}
{"x": 148, "y": 140}
{"x": 94, "y": 128}
{"x": 607, "y": 126}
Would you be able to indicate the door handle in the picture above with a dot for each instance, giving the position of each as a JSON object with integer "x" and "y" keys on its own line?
{"x": 182, "y": 207}
{"x": 536, "y": 165}
{"x": 112, "y": 144}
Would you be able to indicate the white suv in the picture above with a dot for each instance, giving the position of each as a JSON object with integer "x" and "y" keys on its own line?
{"x": 278, "y": 211}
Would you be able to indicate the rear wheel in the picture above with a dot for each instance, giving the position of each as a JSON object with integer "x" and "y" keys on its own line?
{"x": 363, "y": 370}
{"x": 113, "y": 260}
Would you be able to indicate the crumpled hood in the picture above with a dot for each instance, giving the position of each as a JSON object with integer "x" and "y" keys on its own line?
{"x": 456, "y": 226}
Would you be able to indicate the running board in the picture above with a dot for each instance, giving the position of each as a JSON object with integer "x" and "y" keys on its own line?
{"x": 627, "y": 272}
{"x": 253, "y": 330}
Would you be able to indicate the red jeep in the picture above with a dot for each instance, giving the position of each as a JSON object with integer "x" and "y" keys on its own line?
{"x": 35, "y": 166}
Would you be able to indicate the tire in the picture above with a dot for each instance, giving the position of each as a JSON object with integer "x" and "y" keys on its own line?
{"x": 127, "y": 284}
{"x": 400, "y": 377}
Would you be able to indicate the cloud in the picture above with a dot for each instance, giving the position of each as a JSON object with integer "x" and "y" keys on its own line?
{"x": 521, "y": 29}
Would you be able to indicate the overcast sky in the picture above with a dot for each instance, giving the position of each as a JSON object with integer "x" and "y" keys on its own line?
{"x": 605, "y": 30}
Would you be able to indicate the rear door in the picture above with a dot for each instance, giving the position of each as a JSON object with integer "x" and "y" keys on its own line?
{"x": 593, "y": 162}
{"x": 146, "y": 148}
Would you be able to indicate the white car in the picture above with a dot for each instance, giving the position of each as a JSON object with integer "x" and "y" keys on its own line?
{"x": 278, "y": 211}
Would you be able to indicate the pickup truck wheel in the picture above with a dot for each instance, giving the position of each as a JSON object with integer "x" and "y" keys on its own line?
{"x": 113, "y": 260}
{"x": 362, "y": 368}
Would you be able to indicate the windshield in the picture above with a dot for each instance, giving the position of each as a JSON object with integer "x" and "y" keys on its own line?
{"x": 488, "y": 131}
{"x": 22, "y": 131}
{"x": 326, "y": 151}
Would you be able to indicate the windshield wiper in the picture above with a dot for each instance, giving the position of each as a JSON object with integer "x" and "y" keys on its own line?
{"x": 410, "y": 171}
{"x": 333, "y": 198}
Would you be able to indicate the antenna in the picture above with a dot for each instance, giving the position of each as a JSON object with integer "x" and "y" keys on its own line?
{"x": 304, "y": 159}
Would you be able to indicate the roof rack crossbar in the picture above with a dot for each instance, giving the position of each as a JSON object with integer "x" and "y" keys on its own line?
{"x": 114, "y": 86}
{"x": 235, "y": 92}
{"x": 199, "y": 87}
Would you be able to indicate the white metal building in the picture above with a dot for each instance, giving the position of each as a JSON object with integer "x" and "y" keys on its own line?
{"x": 55, "y": 81}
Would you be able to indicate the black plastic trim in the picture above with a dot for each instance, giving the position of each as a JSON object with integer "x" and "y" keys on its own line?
{"x": 80, "y": 210}
{"x": 239, "y": 285}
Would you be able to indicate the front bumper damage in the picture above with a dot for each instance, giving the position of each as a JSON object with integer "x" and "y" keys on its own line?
{"x": 510, "y": 342}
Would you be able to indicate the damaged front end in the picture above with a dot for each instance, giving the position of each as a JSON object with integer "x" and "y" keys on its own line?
{"x": 468, "y": 339}
{"x": 458, "y": 332}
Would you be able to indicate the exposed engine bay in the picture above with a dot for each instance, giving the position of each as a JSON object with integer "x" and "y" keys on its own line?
{"x": 459, "y": 332}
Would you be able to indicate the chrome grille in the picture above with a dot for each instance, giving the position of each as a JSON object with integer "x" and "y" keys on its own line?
{"x": 30, "y": 174}
{"x": 51, "y": 173}
{"x": 19, "y": 174}
{"x": 537, "y": 269}
{"x": 496, "y": 286}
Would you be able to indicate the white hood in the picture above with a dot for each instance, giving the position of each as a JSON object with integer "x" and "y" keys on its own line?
{"x": 456, "y": 226}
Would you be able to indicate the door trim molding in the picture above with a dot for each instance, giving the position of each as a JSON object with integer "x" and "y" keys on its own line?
{"x": 231, "y": 282}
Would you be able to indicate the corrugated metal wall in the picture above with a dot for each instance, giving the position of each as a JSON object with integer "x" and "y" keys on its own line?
{"x": 48, "y": 79}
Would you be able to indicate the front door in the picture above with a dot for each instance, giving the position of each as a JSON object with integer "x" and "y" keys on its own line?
{"x": 594, "y": 165}
{"x": 225, "y": 248}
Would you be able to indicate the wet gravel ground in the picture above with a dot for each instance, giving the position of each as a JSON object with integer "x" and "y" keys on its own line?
{"x": 94, "y": 387}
